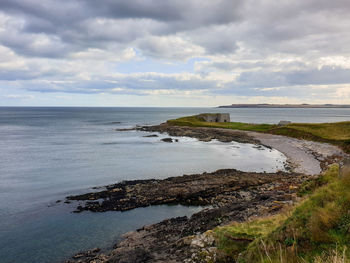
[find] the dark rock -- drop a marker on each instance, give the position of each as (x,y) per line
(127,129)
(167,140)
(233,196)
(131,255)
(150,136)
(217,188)
(201,133)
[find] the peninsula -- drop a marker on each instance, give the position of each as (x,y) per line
(298,213)
(304,105)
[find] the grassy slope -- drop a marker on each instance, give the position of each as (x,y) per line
(317,230)
(334,133)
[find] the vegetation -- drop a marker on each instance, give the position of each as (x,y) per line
(235,238)
(335,133)
(197,121)
(317,230)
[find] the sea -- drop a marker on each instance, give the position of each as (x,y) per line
(48,153)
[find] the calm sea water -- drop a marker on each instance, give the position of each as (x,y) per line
(50,153)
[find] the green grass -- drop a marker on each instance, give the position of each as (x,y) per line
(334,133)
(329,131)
(235,238)
(317,230)
(311,185)
(197,121)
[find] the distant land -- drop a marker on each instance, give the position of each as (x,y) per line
(265,105)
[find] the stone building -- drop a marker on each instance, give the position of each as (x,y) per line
(284,123)
(215,117)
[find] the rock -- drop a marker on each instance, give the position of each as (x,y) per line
(127,129)
(220,188)
(150,136)
(235,196)
(201,133)
(203,240)
(167,140)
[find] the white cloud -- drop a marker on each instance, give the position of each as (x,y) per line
(222,48)
(18,96)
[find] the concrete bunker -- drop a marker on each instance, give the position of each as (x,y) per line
(215,117)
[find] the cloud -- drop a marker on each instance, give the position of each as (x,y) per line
(20,97)
(234,47)
(173,48)
(323,76)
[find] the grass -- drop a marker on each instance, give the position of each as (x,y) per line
(197,121)
(328,131)
(235,238)
(317,230)
(334,133)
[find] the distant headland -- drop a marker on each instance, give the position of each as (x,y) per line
(266,105)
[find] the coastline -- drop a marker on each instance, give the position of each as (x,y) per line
(303,156)
(174,238)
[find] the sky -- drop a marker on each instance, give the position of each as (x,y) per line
(173,52)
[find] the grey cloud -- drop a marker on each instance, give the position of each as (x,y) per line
(265,27)
(324,76)
(128,84)
(216,40)
(35,46)
(233,35)
(77,24)
(298,92)
(173,48)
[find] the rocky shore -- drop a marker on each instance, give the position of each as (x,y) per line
(230,195)
(218,188)
(202,133)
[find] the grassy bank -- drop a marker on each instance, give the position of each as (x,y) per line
(317,230)
(334,133)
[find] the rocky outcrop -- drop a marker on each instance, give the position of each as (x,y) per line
(202,133)
(232,196)
(218,188)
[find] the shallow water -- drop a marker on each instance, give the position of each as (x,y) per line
(50,153)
